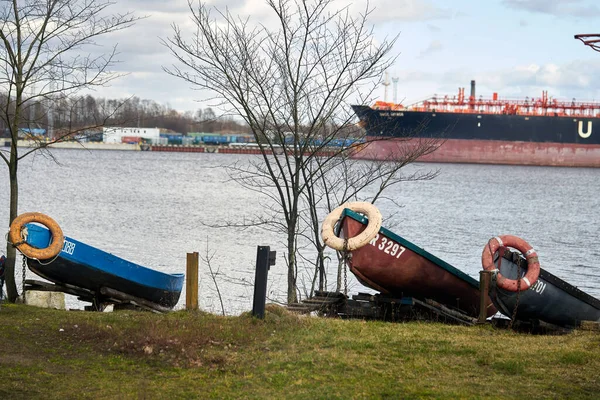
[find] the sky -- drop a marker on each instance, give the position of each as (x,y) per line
(516,48)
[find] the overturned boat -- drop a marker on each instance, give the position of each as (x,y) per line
(390,264)
(527,296)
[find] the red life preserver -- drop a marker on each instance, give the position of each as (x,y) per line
(533,263)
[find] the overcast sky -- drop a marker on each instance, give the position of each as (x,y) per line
(514,47)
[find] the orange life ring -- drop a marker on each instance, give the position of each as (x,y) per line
(533,263)
(370,211)
(56,245)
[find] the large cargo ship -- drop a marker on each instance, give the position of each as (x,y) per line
(531,131)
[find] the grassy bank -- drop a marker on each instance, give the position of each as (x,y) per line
(60,354)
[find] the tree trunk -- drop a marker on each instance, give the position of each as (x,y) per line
(11,252)
(292,296)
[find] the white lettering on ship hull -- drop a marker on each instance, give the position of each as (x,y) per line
(588,132)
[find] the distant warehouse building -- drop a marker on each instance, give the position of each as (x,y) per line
(119,135)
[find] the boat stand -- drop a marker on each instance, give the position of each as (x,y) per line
(100,299)
(380,307)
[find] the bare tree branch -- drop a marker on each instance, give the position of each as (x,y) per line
(292,83)
(44,46)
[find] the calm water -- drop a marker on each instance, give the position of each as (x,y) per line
(153,208)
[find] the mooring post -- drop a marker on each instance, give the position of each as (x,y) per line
(264,259)
(484,288)
(191,282)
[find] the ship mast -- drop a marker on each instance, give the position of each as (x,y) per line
(395,80)
(386,83)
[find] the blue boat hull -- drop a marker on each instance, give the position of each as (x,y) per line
(87,267)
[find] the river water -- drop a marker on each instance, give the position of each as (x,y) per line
(152,208)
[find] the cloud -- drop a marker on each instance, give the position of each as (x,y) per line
(558,8)
(433,47)
(565,81)
(400,10)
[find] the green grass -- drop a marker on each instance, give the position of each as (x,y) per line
(136,355)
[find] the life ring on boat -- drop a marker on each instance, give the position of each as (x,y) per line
(15,237)
(533,263)
(370,211)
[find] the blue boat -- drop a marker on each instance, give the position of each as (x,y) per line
(101,277)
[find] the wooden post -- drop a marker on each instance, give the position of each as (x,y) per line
(191,282)
(484,288)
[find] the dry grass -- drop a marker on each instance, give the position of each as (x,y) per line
(197,355)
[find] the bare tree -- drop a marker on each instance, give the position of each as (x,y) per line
(291,83)
(44,60)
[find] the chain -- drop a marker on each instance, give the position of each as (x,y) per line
(514,315)
(345,266)
(23,276)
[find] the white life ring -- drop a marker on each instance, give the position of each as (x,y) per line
(368,209)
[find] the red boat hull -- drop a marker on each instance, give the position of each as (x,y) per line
(487,152)
(391,267)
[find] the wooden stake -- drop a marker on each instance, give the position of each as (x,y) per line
(484,288)
(191,288)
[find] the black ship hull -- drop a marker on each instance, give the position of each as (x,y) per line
(481,138)
(447,125)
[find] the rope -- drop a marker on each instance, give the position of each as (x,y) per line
(49,262)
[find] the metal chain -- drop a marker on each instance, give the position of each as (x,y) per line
(514,315)
(23,277)
(346,256)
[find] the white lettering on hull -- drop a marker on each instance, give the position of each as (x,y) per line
(588,132)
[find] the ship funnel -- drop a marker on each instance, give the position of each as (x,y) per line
(473,89)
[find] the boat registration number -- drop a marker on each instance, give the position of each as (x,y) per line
(538,287)
(387,246)
(68,247)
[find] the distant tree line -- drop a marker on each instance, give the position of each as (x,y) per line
(79,112)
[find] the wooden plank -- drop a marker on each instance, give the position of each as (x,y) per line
(83,294)
(443,312)
(191,282)
(124,297)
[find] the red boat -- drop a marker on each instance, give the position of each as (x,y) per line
(392,265)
